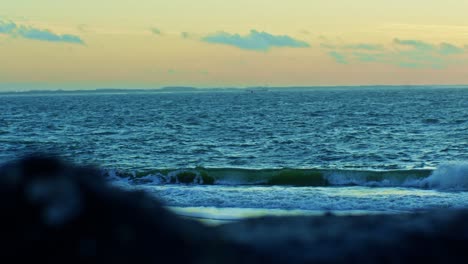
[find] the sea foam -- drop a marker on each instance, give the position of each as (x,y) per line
(448,177)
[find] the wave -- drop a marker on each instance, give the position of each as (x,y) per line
(446,177)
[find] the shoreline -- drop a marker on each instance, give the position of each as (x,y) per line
(222,215)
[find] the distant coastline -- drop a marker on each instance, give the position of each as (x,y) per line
(187,89)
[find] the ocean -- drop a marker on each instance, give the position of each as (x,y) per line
(226,155)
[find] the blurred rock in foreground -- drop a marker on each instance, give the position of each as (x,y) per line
(56,212)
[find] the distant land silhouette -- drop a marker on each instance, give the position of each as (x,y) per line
(188,89)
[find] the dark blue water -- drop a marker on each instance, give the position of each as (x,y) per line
(346,134)
(357,128)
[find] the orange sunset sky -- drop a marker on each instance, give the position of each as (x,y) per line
(91,44)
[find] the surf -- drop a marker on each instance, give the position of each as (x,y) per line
(446,177)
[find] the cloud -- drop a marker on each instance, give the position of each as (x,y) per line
(255,40)
(354,47)
(7,27)
(340,53)
(338,57)
(46,35)
(443,48)
(27,32)
(368,57)
(416,44)
(449,49)
(156,31)
(422,54)
(407,53)
(364,46)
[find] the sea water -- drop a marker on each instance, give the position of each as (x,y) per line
(283,151)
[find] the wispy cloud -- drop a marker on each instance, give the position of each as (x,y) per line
(28,32)
(7,27)
(364,46)
(358,46)
(416,44)
(443,48)
(368,57)
(422,54)
(341,52)
(255,40)
(338,57)
(449,49)
(46,35)
(407,53)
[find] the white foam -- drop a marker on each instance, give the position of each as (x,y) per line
(386,199)
(112,176)
(448,177)
(349,178)
(150,179)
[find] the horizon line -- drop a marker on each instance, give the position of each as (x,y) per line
(195,88)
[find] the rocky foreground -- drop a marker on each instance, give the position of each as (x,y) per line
(55,212)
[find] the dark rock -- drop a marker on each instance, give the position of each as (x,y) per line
(430,237)
(54,212)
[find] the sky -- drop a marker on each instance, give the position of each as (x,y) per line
(88,44)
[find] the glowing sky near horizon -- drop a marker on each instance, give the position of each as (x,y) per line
(213,43)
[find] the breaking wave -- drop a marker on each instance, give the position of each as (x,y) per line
(446,177)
